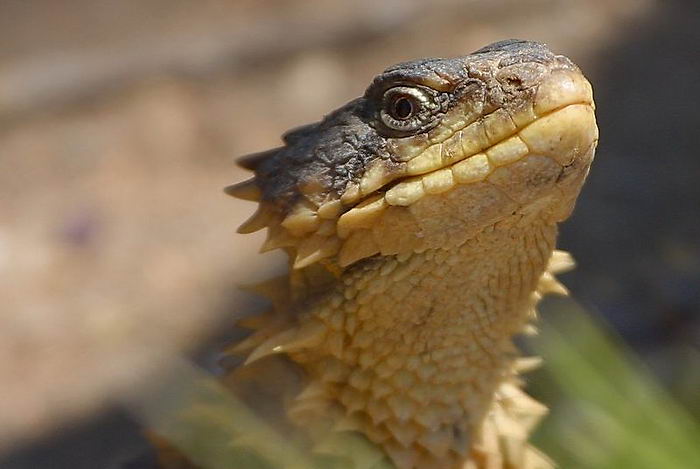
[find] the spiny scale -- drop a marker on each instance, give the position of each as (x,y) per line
(252,161)
(560,262)
(290,340)
(314,249)
(246,190)
(277,237)
(303,219)
(262,218)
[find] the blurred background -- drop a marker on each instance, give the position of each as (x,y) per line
(119,125)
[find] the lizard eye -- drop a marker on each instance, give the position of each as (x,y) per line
(402,107)
(405,108)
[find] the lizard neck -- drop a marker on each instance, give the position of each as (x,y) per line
(417,346)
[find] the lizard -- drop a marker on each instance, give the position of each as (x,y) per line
(420,221)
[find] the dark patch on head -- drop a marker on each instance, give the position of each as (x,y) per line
(331,153)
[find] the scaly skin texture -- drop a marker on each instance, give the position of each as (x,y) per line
(420,220)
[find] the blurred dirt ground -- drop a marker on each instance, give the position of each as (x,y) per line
(119,124)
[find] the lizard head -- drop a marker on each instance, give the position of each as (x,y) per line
(434,152)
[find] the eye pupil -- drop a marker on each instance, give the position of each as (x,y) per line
(403,108)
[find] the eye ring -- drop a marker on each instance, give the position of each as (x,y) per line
(405,108)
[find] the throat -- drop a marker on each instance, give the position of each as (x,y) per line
(417,346)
